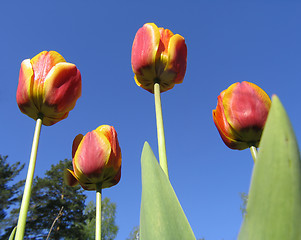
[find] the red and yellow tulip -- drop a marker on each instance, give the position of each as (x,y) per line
(240,115)
(48,87)
(96,159)
(158,56)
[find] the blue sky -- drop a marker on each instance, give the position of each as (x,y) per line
(227,41)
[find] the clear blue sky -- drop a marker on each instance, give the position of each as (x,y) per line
(228,41)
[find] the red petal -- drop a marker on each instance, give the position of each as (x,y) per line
(62,87)
(70,178)
(43,62)
(92,155)
(177,51)
(76,142)
(145,47)
(245,107)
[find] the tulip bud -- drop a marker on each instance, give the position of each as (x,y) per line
(240,115)
(96,159)
(48,87)
(158,56)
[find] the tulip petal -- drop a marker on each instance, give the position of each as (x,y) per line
(76,142)
(112,173)
(145,48)
(158,56)
(241,114)
(24,90)
(225,130)
(92,155)
(246,105)
(48,87)
(25,79)
(83,180)
(97,158)
(115,158)
(145,81)
(175,61)
(162,52)
(88,186)
(70,178)
(144,53)
(177,58)
(43,63)
(62,88)
(262,95)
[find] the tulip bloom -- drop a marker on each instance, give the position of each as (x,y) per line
(240,115)
(48,87)
(96,159)
(158,56)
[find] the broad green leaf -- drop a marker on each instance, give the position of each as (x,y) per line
(161,215)
(274,205)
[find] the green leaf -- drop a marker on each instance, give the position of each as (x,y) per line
(274,205)
(161,215)
(13,233)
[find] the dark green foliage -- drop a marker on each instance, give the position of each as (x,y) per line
(75,220)
(7,192)
(49,195)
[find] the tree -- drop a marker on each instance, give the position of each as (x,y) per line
(108,227)
(8,191)
(60,210)
(7,174)
(243,206)
(134,234)
(50,195)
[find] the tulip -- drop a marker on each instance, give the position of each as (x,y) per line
(159,61)
(240,115)
(96,159)
(96,163)
(48,87)
(158,56)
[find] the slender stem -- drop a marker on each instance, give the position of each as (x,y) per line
(98,213)
(28,183)
(160,129)
(254,153)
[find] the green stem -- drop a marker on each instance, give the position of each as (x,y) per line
(98,213)
(28,183)
(160,129)
(254,153)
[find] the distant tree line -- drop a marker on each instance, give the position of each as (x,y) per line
(54,206)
